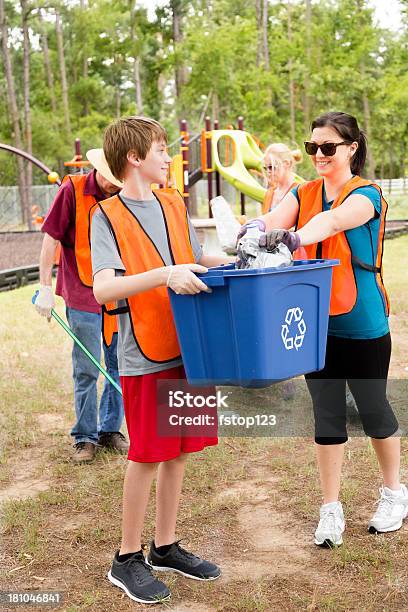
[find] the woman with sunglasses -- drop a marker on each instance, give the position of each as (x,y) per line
(278,164)
(342,216)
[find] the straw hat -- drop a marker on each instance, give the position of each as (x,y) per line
(98,160)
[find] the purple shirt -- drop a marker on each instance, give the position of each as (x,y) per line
(60,224)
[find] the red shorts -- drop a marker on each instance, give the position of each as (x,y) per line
(140,402)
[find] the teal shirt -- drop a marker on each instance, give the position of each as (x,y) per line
(368,319)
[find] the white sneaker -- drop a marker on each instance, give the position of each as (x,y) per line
(391,511)
(331,525)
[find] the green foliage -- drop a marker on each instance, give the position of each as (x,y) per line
(340,60)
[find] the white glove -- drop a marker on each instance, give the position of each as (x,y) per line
(181,279)
(45,301)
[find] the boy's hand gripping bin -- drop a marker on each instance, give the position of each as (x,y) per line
(257,326)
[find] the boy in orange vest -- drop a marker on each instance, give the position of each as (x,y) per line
(143,242)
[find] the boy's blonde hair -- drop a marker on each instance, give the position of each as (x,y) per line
(135,134)
(282,153)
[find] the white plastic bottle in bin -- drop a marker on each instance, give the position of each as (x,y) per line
(225,222)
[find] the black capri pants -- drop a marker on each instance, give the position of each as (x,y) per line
(363,364)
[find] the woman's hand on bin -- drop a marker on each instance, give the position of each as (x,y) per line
(182,280)
(276,236)
(257,223)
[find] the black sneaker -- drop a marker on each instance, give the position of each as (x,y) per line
(183,562)
(135,577)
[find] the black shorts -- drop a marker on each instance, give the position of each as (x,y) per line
(364,365)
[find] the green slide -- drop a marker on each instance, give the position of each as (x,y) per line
(248,156)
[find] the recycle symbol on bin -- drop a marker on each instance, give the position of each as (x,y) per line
(294,329)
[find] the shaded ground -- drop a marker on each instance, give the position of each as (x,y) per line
(250,504)
(19,249)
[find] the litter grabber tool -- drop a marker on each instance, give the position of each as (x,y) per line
(81,346)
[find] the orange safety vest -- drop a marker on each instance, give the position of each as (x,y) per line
(150,312)
(267,201)
(344,287)
(85,206)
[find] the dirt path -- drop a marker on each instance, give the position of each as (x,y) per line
(27,475)
(278,545)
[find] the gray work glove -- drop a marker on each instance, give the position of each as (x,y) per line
(271,240)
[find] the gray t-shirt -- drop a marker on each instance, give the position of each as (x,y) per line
(105,256)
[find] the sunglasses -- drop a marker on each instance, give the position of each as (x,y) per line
(270,168)
(328,149)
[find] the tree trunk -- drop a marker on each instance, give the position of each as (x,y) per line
(85,110)
(367,124)
(136,60)
(64,84)
(291,81)
(258,13)
(25,11)
(265,35)
(47,64)
(215,106)
(13,109)
(138,85)
(308,37)
(180,69)
(84,48)
(118,101)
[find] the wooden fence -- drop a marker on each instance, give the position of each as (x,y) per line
(397,186)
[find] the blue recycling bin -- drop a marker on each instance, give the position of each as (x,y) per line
(257,327)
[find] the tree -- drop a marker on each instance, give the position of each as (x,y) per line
(25,13)
(14,114)
(63,72)
(47,64)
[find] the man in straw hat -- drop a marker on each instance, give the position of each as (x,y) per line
(68,222)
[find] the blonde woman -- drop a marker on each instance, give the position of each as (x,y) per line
(279,162)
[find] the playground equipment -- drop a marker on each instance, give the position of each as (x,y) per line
(77,161)
(200,155)
(33,217)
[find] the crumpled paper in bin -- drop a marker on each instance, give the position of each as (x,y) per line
(252,256)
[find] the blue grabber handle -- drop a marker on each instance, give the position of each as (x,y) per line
(81,346)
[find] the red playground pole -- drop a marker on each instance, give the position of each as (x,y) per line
(241,127)
(209,163)
(217,174)
(184,153)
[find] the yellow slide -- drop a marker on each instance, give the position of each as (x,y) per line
(247,156)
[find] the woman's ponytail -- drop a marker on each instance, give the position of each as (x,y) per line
(359,158)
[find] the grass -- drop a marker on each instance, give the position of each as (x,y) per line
(398,206)
(250,503)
